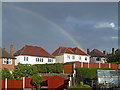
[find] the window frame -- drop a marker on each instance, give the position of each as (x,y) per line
(85,58)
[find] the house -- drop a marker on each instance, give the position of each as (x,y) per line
(97,56)
(33,55)
(7,59)
(68,54)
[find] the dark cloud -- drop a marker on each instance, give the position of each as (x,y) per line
(22,27)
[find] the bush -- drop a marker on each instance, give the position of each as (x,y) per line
(52,68)
(6,74)
(29,70)
(24,71)
(85,74)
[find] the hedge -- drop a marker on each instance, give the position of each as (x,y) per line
(53,68)
(83,74)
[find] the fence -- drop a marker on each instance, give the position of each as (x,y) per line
(96,65)
(17,84)
(88,65)
(50,82)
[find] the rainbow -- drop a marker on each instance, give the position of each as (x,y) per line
(49,21)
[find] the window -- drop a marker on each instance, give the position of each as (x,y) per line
(73,57)
(50,60)
(39,59)
(68,56)
(85,58)
(97,59)
(25,58)
(80,58)
(42,60)
(7,61)
(36,59)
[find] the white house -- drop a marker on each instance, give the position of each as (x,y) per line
(33,55)
(68,54)
(97,56)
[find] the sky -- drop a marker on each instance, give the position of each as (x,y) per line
(50,25)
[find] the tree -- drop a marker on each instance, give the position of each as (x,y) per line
(113,58)
(6,74)
(37,80)
(24,71)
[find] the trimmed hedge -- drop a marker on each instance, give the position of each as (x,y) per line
(53,68)
(83,74)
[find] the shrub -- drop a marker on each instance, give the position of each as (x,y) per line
(6,74)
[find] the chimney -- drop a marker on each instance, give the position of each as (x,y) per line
(11,49)
(104,52)
(113,51)
(88,51)
(4,49)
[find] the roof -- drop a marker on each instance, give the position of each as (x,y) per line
(69,50)
(56,81)
(5,54)
(96,53)
(33,51)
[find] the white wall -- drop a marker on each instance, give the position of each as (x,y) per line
(31,60)
(101,60)
(59,59)
(64,58)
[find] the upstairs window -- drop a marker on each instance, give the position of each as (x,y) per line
(68,56)
(25,58)
(86,58)
(39,59)
(97,59)
(50,60)
(7,61)
(80,58)
(73,57)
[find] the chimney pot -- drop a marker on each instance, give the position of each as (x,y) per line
(113,51)
(104,52)
(88,51)
(11,49)
(4,49)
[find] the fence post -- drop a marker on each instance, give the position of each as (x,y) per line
(88,64)
(109,65)
(99,64)
(6,84)
(23,82)
(82,64)
(70,81)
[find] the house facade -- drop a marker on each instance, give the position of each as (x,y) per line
(68,54)
(97,56)
(7,60)
(33,55)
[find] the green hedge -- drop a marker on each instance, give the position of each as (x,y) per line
(53,68)
(25,70)
(83,74)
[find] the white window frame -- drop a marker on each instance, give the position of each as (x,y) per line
(25,58)
(7,60)
(86,59)
(79,57)
(68,56)
(73,57)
